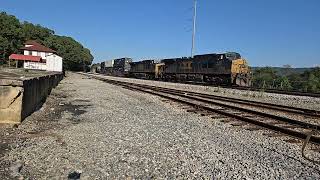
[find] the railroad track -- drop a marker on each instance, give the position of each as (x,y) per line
(229,107)
(276,91)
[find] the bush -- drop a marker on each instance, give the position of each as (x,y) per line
(267,78)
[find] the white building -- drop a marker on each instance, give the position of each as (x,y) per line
(37,56)
(54,63)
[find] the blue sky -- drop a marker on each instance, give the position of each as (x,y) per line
(265,32)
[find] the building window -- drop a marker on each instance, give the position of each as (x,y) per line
(30,53)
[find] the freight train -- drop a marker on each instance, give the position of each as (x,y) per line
(218,69)
(116,67)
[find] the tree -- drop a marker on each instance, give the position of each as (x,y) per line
(287,69)
(13,34)
(296,81)
(10,35)
(283,83)
(264,77)
(35,32)
(76,56)
(312,80)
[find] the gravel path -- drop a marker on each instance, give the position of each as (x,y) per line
(107,132)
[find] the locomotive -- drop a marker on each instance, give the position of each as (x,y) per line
(228,69)
(116,67)
(217,69)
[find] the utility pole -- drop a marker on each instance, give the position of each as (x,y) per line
(194,26)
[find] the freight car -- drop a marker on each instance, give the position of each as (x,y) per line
(218,69)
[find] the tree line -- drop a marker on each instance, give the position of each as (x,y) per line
(14,33)
(269,78)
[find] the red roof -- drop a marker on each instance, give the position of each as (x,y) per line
(21,57)
(35,46)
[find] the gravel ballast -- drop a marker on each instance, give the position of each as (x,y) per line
(288,100)
(101,131)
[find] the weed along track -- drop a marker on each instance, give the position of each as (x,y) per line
(211,104)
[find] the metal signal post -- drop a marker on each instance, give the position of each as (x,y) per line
(194,27)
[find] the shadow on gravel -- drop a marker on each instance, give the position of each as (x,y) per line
(61,96)
(82,100)
(76,109)
(3,147)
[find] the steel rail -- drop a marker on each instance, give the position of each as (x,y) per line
(294,110)
(287,131)
(279,118)
(293,93)
(283,108)
(283,130)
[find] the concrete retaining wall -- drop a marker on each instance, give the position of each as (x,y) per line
(20,98)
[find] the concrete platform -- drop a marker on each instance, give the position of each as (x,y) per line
(22,92)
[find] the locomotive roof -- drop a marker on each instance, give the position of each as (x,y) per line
(218,54)
(143,62)
(172,60)
(202,55)
(125,58)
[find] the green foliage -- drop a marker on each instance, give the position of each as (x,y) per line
(311,80)
(266,77)
(283,83)
(10,35)
(13,34)
(78,56)
(284,71)
(35,32)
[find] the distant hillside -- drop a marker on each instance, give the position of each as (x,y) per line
(285,71)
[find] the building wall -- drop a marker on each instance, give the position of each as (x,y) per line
(34,65)
(36,53)
(43,55)
(54,63)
